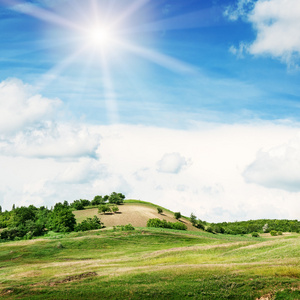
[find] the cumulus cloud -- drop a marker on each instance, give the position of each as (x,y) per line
(171,163)
(21,107)
(212,187)
(83,171)
(277,168)
(52,140)
(277,24)
(240,9)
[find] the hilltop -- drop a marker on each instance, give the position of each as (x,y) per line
(134,212)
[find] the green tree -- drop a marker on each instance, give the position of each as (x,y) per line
(116,198)
(98,200)
(193,219)
(77,205)
(114,208)
(103,208)
(62,219)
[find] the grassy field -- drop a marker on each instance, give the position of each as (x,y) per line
(151,264)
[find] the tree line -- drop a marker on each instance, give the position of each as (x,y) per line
(247,227)
(27,222)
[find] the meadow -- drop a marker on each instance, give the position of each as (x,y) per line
(148,263)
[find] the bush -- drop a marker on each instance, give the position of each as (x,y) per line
(273,232)
(128,227)
(255,234)
(159,210)
(210,229)
(114,208)
(199,224)
(177,215)
(279,232)
(89,224)
(193,219)
(103,209)
(164,224)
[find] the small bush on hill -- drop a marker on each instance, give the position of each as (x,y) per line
(89,224)
(210,229)
(164,224)
(159,210)
(104,208)
(114,208)
(255,234)
(177,215)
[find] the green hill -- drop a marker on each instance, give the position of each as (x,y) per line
(135,212)
(150,264)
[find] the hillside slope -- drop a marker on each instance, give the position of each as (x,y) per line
(136,213)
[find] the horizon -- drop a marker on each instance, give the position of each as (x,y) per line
(190,105)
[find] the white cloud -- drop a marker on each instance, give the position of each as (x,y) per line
(277,24)
(171,163)
(277,168)
(52,140)
(240,9)
(213,186)
(20,107)
(83,171)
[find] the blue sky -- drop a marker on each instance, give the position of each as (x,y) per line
(77,76)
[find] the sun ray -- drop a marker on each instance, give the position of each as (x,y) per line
(40,13)
(59,68)
(136,5)
(109,93)
(197,19)
(159,58)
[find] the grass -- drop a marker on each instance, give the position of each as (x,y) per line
(150,264)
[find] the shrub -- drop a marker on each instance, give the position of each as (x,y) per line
(164,224)
(114,208)
(159,210)
(128,227)
(255,234)
(103,209)
(193,219)
(89,224)
(177,215)
(200,225)
(279,232)
(273,232)
(210,229)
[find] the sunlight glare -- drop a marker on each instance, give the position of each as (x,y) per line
(100,37)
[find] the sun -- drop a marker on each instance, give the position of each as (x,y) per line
(100,37)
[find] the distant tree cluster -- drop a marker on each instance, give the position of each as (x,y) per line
(27,222)
(259,226)
(274,227)
(113,198)
(165,224)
